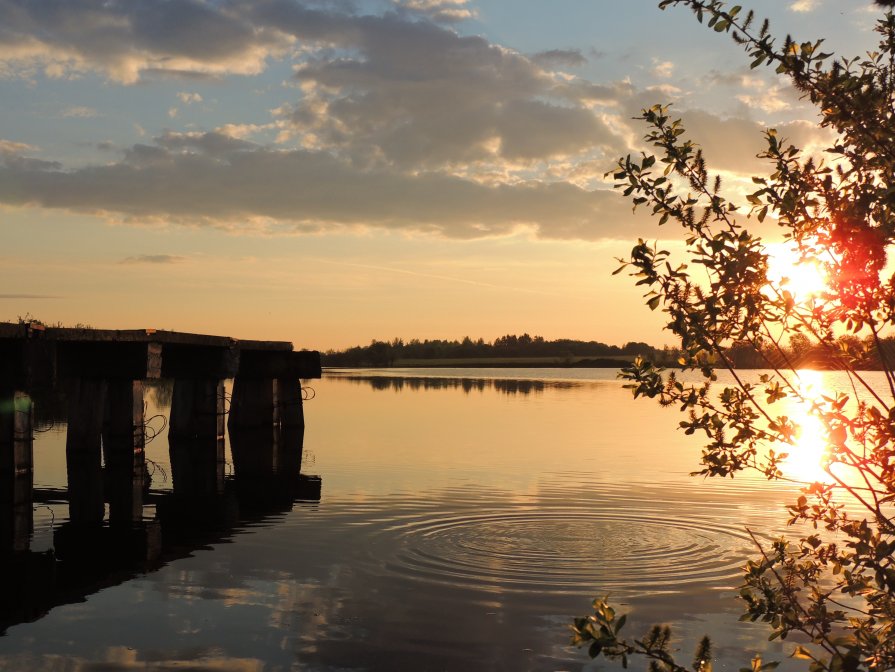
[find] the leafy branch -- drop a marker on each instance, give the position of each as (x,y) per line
(835,587)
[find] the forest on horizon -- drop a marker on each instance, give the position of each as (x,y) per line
(527,350)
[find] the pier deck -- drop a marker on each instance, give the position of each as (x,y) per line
(102,373)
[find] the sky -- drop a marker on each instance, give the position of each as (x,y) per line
(331,172)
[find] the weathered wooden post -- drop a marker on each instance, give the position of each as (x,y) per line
(105,371)
(290,397)
(16,469)
(267,409)
(254,418)
(253,426)
(292,426)
(196,437)
(83,449)
(196,431)
(290,403)
(18,361)
(253,404)
(124,442)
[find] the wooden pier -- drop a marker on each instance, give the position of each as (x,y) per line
(102,373)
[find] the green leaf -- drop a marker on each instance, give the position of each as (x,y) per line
(620,623)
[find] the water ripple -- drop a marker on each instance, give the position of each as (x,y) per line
(636,547)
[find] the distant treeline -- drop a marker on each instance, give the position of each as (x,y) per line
(563,351)
(536,350)
(804,352)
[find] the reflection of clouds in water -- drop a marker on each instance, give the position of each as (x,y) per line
(223,584)
(125,659)
(305,612)
(314,615)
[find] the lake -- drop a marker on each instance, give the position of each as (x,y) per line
(461,518)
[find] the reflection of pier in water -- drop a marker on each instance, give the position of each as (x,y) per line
(509,386)
(88,558)
(102,376)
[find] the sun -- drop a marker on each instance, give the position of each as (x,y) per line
(805,279)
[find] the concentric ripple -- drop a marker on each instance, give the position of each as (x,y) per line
(561,549)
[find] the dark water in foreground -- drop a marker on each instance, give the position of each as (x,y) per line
(461,521)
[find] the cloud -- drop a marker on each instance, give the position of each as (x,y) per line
(211,144)
(396,88)
(80,112)
(804,6)
(732,143)
(188,98)
(124,39)
(441,11)
(213,180)
(12,156)
(559,58)
(242,131)
(153,259)
(768,94)
(769,101)
(663,69)
(14,148)
(418,95)
(399,122)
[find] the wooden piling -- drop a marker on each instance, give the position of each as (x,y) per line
(291,434)
(83,449)
(289,403)
(124,440)
(16,470)
(196,437)
(103,371)
(16,432)
(253,404)
(266,425)
(260,455)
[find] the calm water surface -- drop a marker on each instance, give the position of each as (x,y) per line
(464,517)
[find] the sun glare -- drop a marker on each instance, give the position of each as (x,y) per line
(807,456)
(804,279)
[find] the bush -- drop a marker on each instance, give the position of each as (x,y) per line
(835,586)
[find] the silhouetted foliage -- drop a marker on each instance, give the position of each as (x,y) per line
(834,587)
